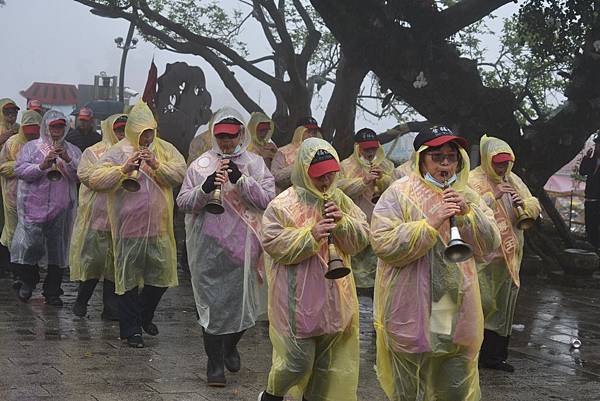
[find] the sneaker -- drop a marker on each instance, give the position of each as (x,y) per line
(135,341)
(79,309)
(150,328)
(54,300)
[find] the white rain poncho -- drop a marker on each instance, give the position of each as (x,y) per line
(46,210)
(499,280)
(314,325)
(283,162)
(8,157)
(141,222)
(427,310)
(354,169)
(91,255)
(224,251)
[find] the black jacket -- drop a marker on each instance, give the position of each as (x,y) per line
(592,182)
(83,140)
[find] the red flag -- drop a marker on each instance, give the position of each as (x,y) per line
(149,95)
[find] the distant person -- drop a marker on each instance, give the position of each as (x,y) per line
(35,105)
(283,161)
(200,144)
(590,167)
(84,135)
(8,119)
(261,129)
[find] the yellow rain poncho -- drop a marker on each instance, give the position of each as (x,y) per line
(265,147)
(8,158)
(499,280)
(200,144)
(4,125)
(314,323)
(427,310)
(354,169)
(283,162)
(141,222)
(405,168)
(91,254)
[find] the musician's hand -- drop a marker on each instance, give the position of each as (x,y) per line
(62,153)
(269,150)
(221,177)
(503,188)
(234,172)
(149,157)
(370,178)
(48,161)
(442,213)
(332,211)
(516,199)
(451,196)
(322,228)
(377,171)
(131,163)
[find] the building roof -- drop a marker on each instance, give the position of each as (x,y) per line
(50,93)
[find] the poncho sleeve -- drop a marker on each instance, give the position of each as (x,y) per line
(281,172)
(25,168)
(478,226)
(7,165)
(192,198)
(258,189)
(351,233)
(171,167)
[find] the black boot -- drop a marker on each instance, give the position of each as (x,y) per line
(84,293)
(110,301)
(51,288)
(232,356)
(264,396)
(215,370)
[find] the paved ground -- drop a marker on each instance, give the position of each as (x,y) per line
(48,354)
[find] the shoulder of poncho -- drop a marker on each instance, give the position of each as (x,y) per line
(16,140)
(283,200)
(73,147)
(166,145)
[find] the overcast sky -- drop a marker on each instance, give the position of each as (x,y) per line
(60,41)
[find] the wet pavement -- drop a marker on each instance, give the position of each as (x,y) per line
(46,353)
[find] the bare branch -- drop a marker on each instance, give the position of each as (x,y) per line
(260,17)
(464,13)
(313,37)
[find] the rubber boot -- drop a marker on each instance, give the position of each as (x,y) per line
(232,356)
(215,367)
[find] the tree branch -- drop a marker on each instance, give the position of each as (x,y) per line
(313,37)
(260,17)
(464,13)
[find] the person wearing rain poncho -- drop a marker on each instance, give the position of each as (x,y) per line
(427,310)
(224,249)
(29,130)
(499,280)
(142,221)
(261,130)
(283,161)
(314,325)
(91,254)
(200,143)
(365,175)
(45,209)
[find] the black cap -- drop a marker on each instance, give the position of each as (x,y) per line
(437,136)
(321,156)
(307,122)
(365,135)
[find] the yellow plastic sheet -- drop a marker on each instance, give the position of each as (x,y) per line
(8,157)
(4,126)
(427,310)
(263,147)
(314,323)
(354,169)
(141,222)
(499,280)
(91,254)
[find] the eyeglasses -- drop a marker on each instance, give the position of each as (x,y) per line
(226,136)
(9,112)
(440,157)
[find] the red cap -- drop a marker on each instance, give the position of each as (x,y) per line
(59,121)
(440,140)
(85,113)
(368,144)
(226,128)
(502,157)
(263,125)
(321,168)
(119,124)
(34,104)
(311,126)
(31,129)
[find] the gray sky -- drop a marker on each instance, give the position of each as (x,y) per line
(62,42)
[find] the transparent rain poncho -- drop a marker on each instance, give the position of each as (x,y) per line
(141,222)
(283,162)
(45,209)
(224,251)
(354,169)
(427,310)
(314,324)
(258,145)
(91,254)
(405,168)
(8,181)
(499,280)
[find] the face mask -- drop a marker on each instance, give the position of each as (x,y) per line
(428,177)
(237,150)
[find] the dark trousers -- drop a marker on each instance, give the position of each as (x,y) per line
(494,348)
(30,275)
(592,222)
(109,298)
(137,308)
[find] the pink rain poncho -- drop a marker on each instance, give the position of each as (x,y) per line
(283,162)
(91,255)
(499,280)
(314,324)
(141,222)
(8,157)
(224,251)
(427,310)
(354,169)
(45,209)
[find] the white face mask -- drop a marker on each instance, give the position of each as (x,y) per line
(237,150)
(428,177)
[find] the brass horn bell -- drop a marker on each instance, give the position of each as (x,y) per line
(54,174)
(335,265)
(215,203)
(131,183)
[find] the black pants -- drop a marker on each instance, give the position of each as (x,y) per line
(109,298)
(494,348)
(137,308)
(30,275)
(592,222)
